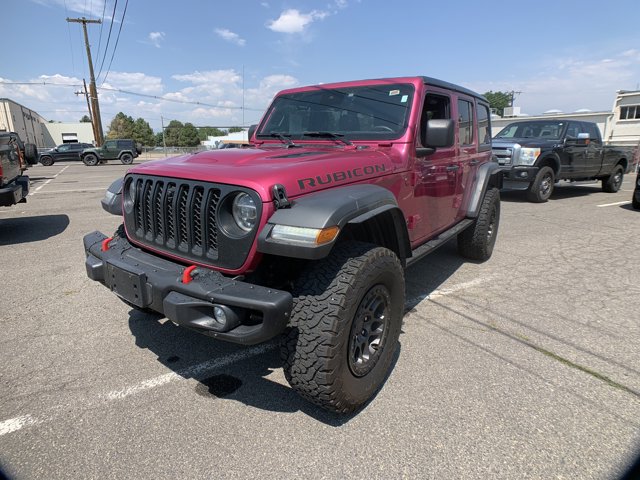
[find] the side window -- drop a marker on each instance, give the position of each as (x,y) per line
(573,130)
(436,107)
(592,130)
(64,148)
(465,122)
(484,129)
(110,145)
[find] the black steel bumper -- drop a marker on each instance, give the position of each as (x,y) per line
(15,192)
(518,178)
(254,313)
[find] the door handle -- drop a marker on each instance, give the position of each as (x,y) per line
(452,168)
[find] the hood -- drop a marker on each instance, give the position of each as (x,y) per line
(525,142)
(299,170)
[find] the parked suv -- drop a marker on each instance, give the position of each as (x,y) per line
(635,201)
(66,151)
(15,158)
(123,150)
(308,233)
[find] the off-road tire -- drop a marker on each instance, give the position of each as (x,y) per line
(635,203)
(613,182)
(542,187)
(477,241)
(90,160)
(31,153)
(126,159)
(46,161)
(360,287)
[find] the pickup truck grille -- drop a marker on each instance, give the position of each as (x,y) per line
(181,218)
(504,155)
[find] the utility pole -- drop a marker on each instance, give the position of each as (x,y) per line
(512,97)
(164,140)
(95,107)
(86,96)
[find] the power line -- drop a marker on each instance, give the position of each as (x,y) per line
(116,46)
(73,65)
(104,55)
(104,8)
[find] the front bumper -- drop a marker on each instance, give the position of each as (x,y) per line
(15,192)
(519,177)
(255,313)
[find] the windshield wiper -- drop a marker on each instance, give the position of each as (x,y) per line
(282,136)
(335,136)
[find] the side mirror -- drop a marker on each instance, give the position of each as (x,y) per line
(437,134)
(252,130)
(584,139)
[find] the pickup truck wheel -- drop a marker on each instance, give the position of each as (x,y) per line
(344,326)
(31,153)
(542,187)
(613,182)
(635,203)
(46,161)
(126,158)
(90,160)
(477,241)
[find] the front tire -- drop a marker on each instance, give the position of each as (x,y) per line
(478,240)
(542,187)
(345,325)
(46,161)
(90,160)
(613,182)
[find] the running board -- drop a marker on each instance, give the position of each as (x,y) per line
(441,239)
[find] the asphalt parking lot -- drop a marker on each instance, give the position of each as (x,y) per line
(526,366)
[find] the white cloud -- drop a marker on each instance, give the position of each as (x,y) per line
(569,84)
(92,9)
(156,38)
(293,21)
(230,36)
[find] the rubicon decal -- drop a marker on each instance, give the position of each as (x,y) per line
(335,177)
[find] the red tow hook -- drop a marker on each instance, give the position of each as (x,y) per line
(186,275)
(105,244)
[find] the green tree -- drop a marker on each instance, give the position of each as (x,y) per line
(172,133)
(142,132)
(85,119)
(158,140)
(235,129)
(205,132)
(498,101)
(121,126)
(189,136)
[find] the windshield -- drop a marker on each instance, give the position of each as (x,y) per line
(551,130)
(354,113)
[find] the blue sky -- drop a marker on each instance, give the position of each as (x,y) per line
(561,54)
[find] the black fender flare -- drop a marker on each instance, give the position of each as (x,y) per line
(554,158)
(489,175)
(335,207)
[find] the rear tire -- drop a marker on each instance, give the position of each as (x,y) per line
(126,159)
(30,153)
(345,325)
(542,187)
(478,240)
(613,182)
(90,160)
(46,161)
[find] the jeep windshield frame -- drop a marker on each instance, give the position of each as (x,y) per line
(368,113)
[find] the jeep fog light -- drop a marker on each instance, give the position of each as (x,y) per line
(304,235)
(219,315)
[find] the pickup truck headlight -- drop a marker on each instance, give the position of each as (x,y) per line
(244,212)
(527,156)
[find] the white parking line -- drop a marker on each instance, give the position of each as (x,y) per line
(45,183)
(613,204)
(198,371)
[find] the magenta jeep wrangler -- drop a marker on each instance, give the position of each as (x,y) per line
(307,233)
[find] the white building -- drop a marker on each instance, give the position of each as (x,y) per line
(24,121)
(58,133)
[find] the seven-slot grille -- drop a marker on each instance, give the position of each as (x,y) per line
(176,215)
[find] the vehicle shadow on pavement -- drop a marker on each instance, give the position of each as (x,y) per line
(560,192)
(245,379)
(31,229)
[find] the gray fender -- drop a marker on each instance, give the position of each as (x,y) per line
(112,201)
(489,175)
(337,206)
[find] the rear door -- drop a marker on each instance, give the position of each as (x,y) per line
(594,149)
(9,159)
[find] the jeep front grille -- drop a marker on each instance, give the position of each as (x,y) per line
(180,217)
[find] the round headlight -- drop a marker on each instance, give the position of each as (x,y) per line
(129,195)
(244,211)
